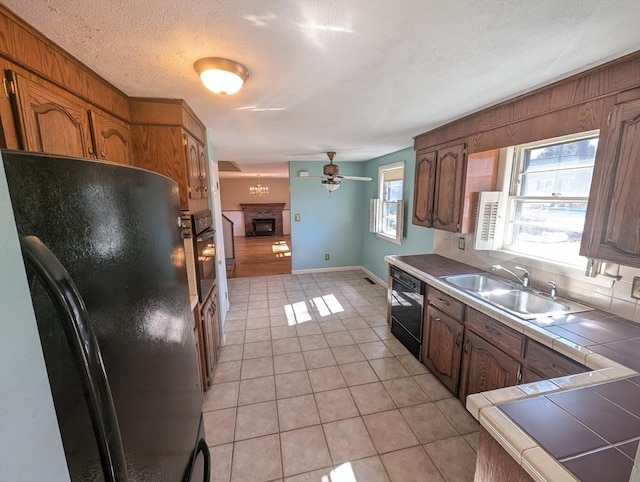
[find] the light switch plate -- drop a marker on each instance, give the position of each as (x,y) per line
(462,243)
(635,288)
(297,217)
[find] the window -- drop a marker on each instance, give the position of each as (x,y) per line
(548,197)
(387,212)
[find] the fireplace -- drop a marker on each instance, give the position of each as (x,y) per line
(263,219)
(264,227)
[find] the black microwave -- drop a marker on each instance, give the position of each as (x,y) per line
(204,250)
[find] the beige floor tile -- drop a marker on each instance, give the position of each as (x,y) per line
(433,387)
(473,439)
(219,426)
(369,470)
(234,325)
(411,465)
(335,405)
(257,323)
(331,326)
(339,338)
(313,342)
(234,338)
(230,353)
(356,323)
(405,391)
(303,450)
(297,412)
(256,390)
(358,373)
(227,372)
(285,345)
(371,398)
(328,378)
(412,365)
(292,362)
(292,384)
(256,420)
(388,368)
(375,349)
(221,395)
(364,335)
(306,329)
(319,358)
(347,354)
(256,460)
(348,440)
(257,313)
(257,350)
(428,423)
(396,347)
(283,332)
(389,431)
(257,367)
(221,462)
(454,458)
(280,320)
(261,334)
(383,332)
(462,420)
(320,475)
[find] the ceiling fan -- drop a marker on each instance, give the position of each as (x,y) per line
(331,179)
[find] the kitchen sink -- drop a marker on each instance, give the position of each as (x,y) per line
(522,302)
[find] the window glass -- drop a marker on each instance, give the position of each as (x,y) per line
(391,190)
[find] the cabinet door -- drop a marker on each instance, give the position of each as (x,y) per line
(211,331)
(484,367)
(448,190)
(547,363)
(424,184)
(615,225)
(49,122)
(111,137)
(202,171)
(445,347)
(193,165)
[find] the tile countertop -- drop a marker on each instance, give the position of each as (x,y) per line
(608,344)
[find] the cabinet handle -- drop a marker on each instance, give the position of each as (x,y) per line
(443,301)
(466,347)
(437,319)
(459,339)
(492,330)
(91,153)
(103,155)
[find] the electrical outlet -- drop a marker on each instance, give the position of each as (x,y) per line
(297,217)
(327,257)
(462,243)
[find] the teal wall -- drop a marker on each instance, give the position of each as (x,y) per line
(329,222)
(338,223)
(417,240)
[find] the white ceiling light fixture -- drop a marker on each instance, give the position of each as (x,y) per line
(221,76)
(330,184)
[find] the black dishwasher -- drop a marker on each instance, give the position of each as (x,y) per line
(407,299)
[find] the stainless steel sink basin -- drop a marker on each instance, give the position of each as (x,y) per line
(478,282)
(524,303)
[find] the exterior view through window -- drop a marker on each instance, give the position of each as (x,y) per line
(548,198)
(391,191)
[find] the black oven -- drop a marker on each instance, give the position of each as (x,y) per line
(407,299)
(204,250)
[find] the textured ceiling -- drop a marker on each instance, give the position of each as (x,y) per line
(358,77)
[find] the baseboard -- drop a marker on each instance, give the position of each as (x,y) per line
(374,277)
(370,274)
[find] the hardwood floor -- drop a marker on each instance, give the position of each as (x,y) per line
(262,256)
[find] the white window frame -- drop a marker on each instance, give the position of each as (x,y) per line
(394,171)
(513,169)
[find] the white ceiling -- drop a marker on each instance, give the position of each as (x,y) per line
(360,77)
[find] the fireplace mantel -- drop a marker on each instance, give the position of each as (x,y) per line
(262,211)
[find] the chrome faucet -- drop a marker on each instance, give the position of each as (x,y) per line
(526,277)
(553,291)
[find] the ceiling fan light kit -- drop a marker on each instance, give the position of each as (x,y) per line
(221,76)
(330,184)
(331,175)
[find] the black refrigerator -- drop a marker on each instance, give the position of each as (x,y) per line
(106,268)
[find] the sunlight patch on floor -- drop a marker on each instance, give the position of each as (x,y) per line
(326,305)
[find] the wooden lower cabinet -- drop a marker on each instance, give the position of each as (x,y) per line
(541,363)
(494,464)
(211,333)
(444,347)
(485,367)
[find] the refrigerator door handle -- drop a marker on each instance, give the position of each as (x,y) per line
(201,446)
(85,350)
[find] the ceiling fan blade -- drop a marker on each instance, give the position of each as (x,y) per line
(311,177)
(355,178)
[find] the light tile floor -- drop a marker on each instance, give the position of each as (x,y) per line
(312,387)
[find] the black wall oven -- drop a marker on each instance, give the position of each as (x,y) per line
(204,250)
(407,300)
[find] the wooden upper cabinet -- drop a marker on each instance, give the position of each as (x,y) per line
(448,191)
(193,164)
(202,167)
(49,121)
(425,180)
(614,231)
(111,137)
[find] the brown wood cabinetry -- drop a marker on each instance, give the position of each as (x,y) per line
(494,464)
(211,333)
(612,231)
(446,186)
(541,362)
(111,137)
(444,347)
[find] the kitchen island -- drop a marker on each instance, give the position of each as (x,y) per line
(590,421)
